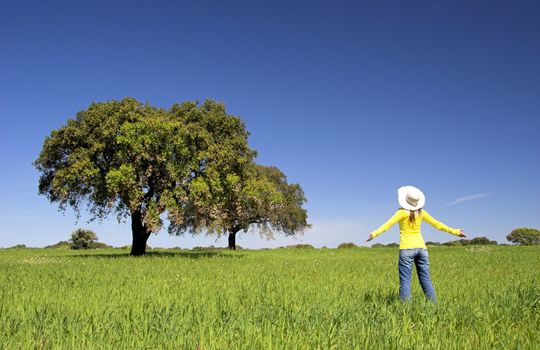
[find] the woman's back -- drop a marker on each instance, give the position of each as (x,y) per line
(410,235)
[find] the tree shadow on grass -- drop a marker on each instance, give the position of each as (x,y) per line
(159,254)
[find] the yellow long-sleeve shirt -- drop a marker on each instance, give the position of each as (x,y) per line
(409,233)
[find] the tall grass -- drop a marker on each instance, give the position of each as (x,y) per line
(489,297)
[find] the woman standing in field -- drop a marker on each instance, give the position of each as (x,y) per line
(411,244)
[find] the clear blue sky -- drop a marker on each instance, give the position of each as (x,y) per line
(350,99)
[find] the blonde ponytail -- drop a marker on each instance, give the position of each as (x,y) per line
(412,215)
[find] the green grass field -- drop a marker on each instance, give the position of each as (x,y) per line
(489,297)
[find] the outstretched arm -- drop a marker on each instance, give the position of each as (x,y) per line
(395,218)
(440,226)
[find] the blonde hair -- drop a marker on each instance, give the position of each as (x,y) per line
(412,215)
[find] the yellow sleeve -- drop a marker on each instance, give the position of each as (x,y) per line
(438,225)
(395,218)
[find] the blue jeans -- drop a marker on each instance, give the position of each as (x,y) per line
(421,259)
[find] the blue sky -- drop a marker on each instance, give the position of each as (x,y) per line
(350,99)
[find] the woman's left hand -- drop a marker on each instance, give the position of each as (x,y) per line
(369,238)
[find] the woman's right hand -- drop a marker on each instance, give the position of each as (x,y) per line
(461,233)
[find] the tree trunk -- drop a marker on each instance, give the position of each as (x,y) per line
(232,237)
(140,236)
(232,240)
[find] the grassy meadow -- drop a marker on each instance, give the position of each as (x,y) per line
(489,297)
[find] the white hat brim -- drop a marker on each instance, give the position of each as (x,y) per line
(402,198)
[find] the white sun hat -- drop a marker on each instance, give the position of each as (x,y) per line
(411,198)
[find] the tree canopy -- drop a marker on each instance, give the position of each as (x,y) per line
(524,236)
(258,196)
(190,164)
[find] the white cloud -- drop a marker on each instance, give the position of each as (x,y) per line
(471,197)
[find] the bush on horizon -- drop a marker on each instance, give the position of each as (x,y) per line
(347,245)
(83,239)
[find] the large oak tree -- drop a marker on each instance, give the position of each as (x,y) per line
(141,162)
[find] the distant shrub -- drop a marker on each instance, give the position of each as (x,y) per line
(482,241)
(18,246)
(202,248)
(82,239)
(433,243)
(99,245)
(347,245)
(59,245)
(128,247)
(389,245)
(301,246)
(467,242)
(212,247)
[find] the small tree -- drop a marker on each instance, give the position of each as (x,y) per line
(254,195)
(524,236)
(83,239)
(279,209)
